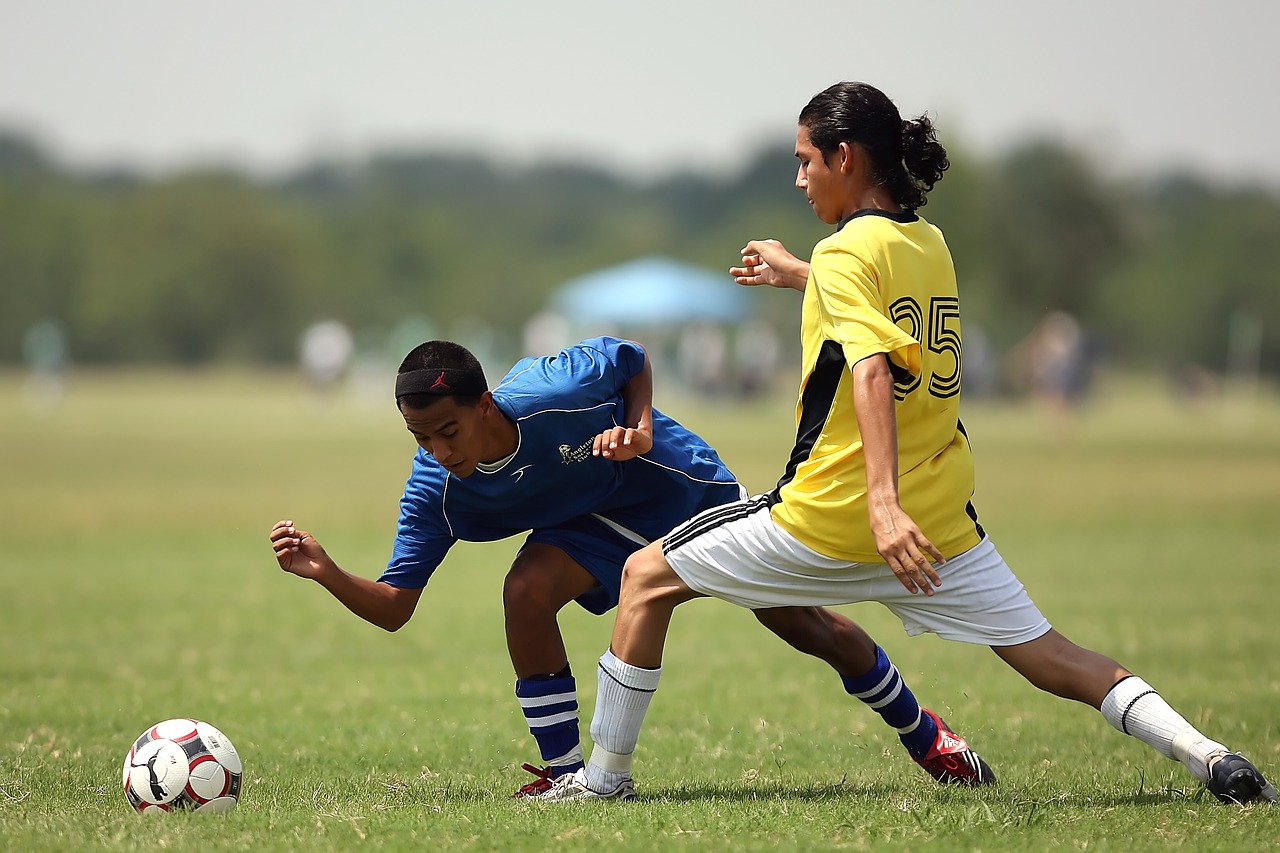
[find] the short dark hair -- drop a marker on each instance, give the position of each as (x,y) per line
(906,157)
(439,355)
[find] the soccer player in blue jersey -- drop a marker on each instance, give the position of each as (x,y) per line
(570,449)
(874,504)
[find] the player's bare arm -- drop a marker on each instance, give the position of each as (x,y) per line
(381,604)
(635,437)
(767,262)
(898,539)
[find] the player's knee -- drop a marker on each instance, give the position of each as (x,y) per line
(786,622)
(527,593)
(646,569)
(649,582)
(822,634)
(792,625)
(1056,665)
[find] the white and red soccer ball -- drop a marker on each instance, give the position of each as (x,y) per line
(182,764)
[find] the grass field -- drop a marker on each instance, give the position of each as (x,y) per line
(136,584)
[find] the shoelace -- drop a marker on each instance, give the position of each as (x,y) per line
(544,781)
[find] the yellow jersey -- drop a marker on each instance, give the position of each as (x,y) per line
(883,283)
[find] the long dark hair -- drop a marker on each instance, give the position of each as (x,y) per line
(906,157)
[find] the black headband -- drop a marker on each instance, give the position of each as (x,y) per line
(446,382)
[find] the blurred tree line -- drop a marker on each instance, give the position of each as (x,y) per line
(212,265)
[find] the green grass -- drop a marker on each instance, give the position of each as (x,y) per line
(136,584)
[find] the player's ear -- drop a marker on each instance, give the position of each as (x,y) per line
(845,157)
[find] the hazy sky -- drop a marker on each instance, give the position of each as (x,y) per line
(638,86)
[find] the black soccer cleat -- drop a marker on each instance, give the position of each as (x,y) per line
(1234,779)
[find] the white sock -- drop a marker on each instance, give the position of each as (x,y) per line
(1135,708)
(622,699)
(570,758)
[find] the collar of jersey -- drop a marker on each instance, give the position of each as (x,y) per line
(905,217)
(495,467)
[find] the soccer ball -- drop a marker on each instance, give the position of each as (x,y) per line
(182,764)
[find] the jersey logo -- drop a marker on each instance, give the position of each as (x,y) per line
(519,472)
(582,452)
(440,383)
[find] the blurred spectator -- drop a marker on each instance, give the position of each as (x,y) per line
(981,367)
(701,354)
(756,351)
(325,353)
(1052,365)
(1195,384)
(47,356)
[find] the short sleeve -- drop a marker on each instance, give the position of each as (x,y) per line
(624,359)
(853,311)
(422,535)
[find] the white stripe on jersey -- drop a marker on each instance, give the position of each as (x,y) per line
(606,405)
(620,530)
(444,505)
(742,491)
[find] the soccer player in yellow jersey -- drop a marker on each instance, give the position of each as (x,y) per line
(874,504)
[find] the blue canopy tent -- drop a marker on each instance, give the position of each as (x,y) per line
(653,291)
(688,317)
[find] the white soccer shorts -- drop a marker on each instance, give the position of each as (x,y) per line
(737,553)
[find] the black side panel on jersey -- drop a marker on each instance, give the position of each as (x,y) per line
(969,508)
(815,406)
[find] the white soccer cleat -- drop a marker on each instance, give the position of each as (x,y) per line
(573,786)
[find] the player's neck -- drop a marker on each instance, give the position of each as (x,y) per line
(872,198)
(502,436)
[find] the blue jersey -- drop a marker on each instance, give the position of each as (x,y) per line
(596,509)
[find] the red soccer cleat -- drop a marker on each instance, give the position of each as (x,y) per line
(951,761)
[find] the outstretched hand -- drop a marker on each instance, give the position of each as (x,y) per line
(298,552)
(622,443)
(769,263)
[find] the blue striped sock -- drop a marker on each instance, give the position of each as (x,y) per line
(884,691)
(550,708)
